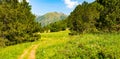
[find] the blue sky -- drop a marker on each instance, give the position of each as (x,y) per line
(40,7)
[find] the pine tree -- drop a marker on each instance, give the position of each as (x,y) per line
(17,23)
(83,18)
(109,17)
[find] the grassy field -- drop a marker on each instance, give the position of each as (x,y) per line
(52,39)
(84,46)
(59,45)
(12,52)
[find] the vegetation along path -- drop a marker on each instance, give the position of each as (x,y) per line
(48,39)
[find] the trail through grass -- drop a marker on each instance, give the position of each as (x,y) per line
(59,45)
(29,53)
(48,39)
(28,50)
(13,52)
(52,39)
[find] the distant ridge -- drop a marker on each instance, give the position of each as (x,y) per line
(50,17)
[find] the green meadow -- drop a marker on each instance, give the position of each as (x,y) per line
(84,46)
(13,52)
(60,45)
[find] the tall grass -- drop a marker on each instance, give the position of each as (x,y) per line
(84,46)
(13,52)
(52,39)
(55,35)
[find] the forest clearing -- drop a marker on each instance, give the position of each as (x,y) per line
(60,45)
(59,29)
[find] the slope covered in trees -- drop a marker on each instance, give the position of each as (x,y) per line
(99,16)
(57,26)
(17,23)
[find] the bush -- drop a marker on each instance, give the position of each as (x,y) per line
(3,42)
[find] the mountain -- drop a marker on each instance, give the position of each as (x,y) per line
(50,18)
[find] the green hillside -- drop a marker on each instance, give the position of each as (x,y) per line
(50,18)
(59,45)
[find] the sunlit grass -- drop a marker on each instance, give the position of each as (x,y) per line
(51,39)
(56,35)
(13,52)
(59,45)
(84,46)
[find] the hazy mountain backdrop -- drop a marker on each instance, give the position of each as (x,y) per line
(50,18)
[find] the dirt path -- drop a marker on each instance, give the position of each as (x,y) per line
(29,53)
(32,52)
(24,53)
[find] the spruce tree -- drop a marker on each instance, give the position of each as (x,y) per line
(109,17)
(17,23)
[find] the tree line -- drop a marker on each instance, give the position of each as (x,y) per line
(55,27)
(99,16)
(17,23)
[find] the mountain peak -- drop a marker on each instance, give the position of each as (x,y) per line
(50,17)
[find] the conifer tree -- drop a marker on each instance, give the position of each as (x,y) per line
(109,17)
(17,23)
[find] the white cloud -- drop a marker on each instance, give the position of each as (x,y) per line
(70,3)
(22,0)
(27,0)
